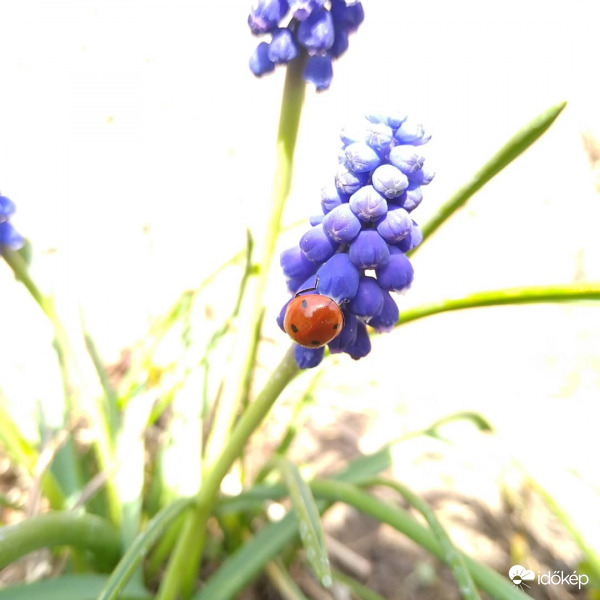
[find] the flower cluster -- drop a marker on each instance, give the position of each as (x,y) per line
(316,27)
(9,236)
(355,250)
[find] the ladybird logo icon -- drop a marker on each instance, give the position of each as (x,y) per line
(519,575)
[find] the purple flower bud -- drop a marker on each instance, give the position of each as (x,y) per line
(389,180)
(347,336)
(260,62)
(411,133)
(10,237)
(350,17)
(331,197)
(362,345)
(342,224)
(295,265)
(318,71)
(411,197)
(282,48)
(407,159)
(266,14)
(422,177)
(357,132)
(397,274)
(348,181)
(317,245)
(307,358)
(412,240)
(340,42)
(362,157)
(379,136)
(368,204)
(281,315)
(338,279)
(395,226)
(7,208)
(301,9)
(368,302)
(388,317)
(316,32)
(368,250)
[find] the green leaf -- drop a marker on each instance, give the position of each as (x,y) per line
(452,557)
(513,148)
(140,547)
(357,589)
(309,522)
(69,587)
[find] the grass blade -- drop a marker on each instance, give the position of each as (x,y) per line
(452,556)
(309,522)
(513,148)
(140,547)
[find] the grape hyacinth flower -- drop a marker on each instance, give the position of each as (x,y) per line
(9,236)
(318,28)
(355,251)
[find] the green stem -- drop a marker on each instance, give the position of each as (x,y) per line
(186,556)
(83,531)
(513,148)
(570,292)
(236,393)
(487,579)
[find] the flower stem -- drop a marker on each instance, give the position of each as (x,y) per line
(83,531)
(237,391)
(520,295)
(183,566)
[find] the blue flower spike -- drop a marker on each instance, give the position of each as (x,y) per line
(9,237)
(355,252)
(318,29)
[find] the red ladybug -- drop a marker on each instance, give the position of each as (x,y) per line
(313,320)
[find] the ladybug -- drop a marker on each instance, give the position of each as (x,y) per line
(313,320)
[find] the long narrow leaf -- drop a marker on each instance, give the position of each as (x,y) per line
(309,522)
(140,547)
(452,556)
(513,148)
(69,587)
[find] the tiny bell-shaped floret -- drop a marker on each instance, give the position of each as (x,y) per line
(395,226)
(410,198)
(331,198)
(316,32)
(390,181)
(411,133)
(301,9)
(7,208)
(338,279)
(396,274)
(319,71)
(308,358)
(349,181)
(362,345)
(341,224)
(265,15)
(260,63)
(10,237)
(379,136)
(369,251)
(316,245)
(295,265)
(388,317)
(412,240)
(282,48)
(407,159)
(368,302)
(368,204)
(347,336)
(362,157)
(349,16)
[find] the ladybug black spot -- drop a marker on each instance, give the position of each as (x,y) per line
(304,303)
(336,325)
(294,328)
(315,343)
